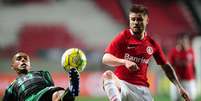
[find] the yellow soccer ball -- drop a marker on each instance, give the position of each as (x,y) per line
(74,58)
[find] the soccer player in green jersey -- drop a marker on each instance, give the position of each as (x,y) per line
(38,85)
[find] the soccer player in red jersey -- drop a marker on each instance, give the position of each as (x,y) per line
(182,59)
(129,52)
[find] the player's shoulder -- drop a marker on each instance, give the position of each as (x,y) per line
(123,34)
(9,87)
(151,40)
(124,31)
(40,71)
(13,82)
(44,71)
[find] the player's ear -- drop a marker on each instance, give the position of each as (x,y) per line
(147,18)
(11,66)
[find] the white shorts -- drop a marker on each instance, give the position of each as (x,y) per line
(131,92)
(189,86)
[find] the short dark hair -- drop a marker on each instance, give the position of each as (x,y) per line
(137,8)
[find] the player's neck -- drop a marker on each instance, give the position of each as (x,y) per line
(22,72)
(139,36)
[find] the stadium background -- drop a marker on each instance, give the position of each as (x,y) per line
(46,28)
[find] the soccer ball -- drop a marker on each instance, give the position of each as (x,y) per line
(73,58)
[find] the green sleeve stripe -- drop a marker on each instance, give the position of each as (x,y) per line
(48,78)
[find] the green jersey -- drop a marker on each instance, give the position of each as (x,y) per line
(27,85)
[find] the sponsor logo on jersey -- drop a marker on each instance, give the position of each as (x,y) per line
(135,59)
(149,50)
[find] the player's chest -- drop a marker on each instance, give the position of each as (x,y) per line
(180,56)
(145,50)
(29,78)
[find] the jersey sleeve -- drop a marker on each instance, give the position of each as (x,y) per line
(48,78)
(159,55)
(194,68)
(171,57)
(116,45)
(9,95)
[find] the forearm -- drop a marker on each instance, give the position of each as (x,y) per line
(111,60)
(170,73)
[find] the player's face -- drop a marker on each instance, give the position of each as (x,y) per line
(138,22)
(21,63)
(185,43)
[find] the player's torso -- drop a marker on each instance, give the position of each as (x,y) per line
(183,57)
(183,64)
(30,83)
(140,52)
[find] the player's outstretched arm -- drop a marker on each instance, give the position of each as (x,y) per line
(113,61)
(170,73)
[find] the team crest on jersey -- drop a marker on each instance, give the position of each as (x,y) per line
(149,50)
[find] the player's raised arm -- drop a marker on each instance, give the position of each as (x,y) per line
(170,73)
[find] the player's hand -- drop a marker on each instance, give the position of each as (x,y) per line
(132,66)
(184,94)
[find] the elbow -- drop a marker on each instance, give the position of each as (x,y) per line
(104,59)
(107,58)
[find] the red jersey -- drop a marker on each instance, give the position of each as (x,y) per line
(183,63)
(126,46)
